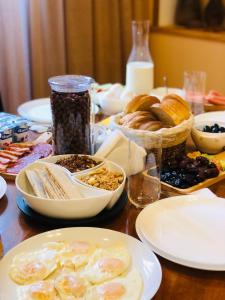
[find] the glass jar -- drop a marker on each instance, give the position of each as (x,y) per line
(140,67)
(71,114)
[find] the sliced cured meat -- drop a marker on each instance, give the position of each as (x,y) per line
(4,161)
(15,153)
(3,167)
(39,151)
(12,158)
(22,145)
(20,150)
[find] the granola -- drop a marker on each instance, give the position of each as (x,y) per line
(103,178)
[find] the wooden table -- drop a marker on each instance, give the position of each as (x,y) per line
(178,282)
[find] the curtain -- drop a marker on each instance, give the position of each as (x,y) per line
(98,35)
(32,51)
(15,83)
(43,38)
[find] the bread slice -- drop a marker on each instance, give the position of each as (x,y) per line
(179,99)
(36,183)
(62,182)
(137,121)
(127,118)
(151,125)
(162,115)
(130,105)
(50,188)
(141,103)
(176,110)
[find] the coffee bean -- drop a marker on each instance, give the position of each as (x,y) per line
(71,122)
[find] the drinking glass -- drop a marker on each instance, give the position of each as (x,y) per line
(194,88)
(144,185)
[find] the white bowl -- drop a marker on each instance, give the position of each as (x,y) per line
(94,201)
(208,142)
(116,193)
(53,159)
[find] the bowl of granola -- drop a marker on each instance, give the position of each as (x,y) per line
(108,176)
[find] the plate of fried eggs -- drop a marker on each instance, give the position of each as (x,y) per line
(83,263)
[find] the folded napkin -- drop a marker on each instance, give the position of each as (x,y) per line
(116,149)
(204,193)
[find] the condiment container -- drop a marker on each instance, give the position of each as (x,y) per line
(71,113)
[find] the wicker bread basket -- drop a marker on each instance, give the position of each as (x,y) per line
(173,139)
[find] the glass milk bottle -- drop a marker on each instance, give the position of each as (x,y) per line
(140,67)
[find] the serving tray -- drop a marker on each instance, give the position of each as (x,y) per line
(104,216)
(201,185)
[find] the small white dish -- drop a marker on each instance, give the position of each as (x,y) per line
(3,186)
(188,230)
(115,194)
(92,202)
(143,259)
(208,142)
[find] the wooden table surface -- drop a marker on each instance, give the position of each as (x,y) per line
(178,282)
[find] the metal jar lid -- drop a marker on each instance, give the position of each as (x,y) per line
(70,83)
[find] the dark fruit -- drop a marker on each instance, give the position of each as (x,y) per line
(186,172)
(214,128)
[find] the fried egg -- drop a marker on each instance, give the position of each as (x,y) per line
(27,268)
(41,290)
(128,287)
(107,263)
(76,254)
(71,286)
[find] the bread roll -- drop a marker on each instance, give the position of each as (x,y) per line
(141,103)
(162,115)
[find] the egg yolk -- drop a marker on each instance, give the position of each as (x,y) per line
(31,269)
(111,291)
(80,247)
(72,286)
(42,291)
(111,265)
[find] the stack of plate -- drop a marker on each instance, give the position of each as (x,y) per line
(188,230)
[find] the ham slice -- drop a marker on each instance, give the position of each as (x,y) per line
(4,161)
(15,153)
(22,145)
(19,150)
(12,158)
(2,167)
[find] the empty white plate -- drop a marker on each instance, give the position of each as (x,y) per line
(39,110)
(3,187)
(187,230)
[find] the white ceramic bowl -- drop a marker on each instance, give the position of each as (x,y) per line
(208,142)
(94,201)
(115,194)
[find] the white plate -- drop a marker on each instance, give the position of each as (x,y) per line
(3,187)
(39,110)
(187,230)
(143,259)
